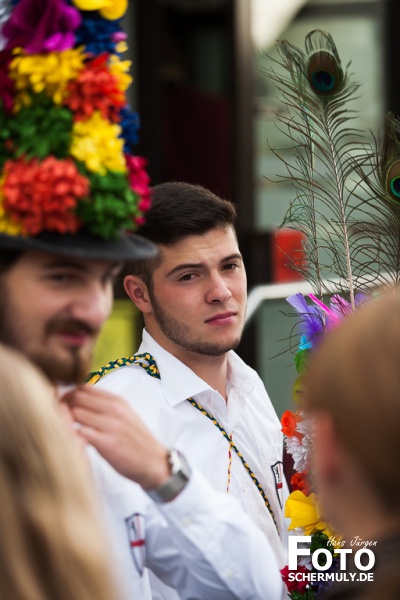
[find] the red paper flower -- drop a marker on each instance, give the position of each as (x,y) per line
(292,584)
(43,195)
(95,89)
(289,422)
(299,481)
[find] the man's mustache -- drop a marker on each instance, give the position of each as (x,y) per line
(71,326)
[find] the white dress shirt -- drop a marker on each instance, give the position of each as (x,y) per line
(248,416)
(200,543)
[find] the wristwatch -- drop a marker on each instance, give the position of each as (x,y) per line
(180,475)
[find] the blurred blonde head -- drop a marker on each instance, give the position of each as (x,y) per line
(355,378)
(51,547)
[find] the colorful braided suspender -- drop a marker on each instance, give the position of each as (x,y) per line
(147,362)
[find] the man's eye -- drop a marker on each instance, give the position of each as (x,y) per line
(187,277)
(230,266)
(62,277)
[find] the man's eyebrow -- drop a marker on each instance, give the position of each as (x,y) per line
(61,263)
(185,266)
(114,267)
(232,257)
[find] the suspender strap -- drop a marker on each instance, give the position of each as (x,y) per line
(147,362)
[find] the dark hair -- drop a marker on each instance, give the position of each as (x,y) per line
(8,258)
(179,210)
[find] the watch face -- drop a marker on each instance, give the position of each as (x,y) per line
(178,462)
(180,475)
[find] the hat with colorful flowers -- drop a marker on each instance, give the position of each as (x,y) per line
(70,182)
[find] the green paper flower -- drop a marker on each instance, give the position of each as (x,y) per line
(112,205)
(301,360)
(42,129)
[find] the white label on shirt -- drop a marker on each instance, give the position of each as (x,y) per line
(277,470)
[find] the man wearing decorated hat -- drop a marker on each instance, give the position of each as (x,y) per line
(71,193)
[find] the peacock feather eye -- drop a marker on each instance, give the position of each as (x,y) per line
(324,74)
(393,180)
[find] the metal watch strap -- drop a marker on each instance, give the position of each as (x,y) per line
(180,475)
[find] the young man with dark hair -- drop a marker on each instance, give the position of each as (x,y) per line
(198,395)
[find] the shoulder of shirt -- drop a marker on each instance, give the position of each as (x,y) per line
(120,378)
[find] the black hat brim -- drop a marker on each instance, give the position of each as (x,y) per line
(83,245)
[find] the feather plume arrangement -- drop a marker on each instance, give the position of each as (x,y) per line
(344,204)
(347,204)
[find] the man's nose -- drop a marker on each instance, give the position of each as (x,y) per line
(218,290)
(93,305)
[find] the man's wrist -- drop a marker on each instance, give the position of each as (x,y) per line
(179,470)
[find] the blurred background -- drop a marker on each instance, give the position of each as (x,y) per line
(207,116)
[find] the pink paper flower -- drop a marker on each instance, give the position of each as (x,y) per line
(42,26)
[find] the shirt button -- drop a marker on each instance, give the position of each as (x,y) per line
(229,574)
(187,521)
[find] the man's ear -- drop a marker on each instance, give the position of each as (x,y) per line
(138,293)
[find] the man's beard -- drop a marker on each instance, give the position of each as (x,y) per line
(180,334)
(71,370)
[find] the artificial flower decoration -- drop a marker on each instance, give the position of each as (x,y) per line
(129,124)
(96,143)
(113,205)
(44,73)
(289,423)
(95,89)
(304,513)
(139,179)
(42,26)
(99,35)
(43,195)
(109,9)
(299,481)
(41,129)
(120,70)
(67,133)
(8,224)
(296,584)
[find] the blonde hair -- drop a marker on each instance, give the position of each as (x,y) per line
(355,376)
(51,547)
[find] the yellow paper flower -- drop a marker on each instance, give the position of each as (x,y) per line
(121,47)
(120,70)
(96,143)
(48,73)
(303,512)
(109,9)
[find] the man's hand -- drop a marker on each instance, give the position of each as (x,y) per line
(109,424)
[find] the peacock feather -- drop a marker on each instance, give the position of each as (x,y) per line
(347,207)
(380,184)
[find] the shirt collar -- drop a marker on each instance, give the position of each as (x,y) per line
(180,383)
(177,380)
